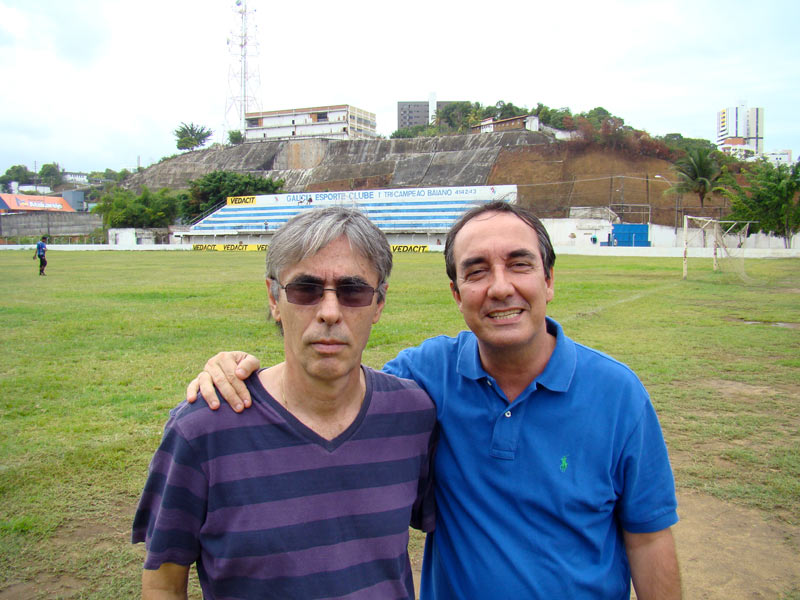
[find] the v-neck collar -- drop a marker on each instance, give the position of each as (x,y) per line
(260,393)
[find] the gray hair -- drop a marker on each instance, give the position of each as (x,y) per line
(310,231)
(498,206)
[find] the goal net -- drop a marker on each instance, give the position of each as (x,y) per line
(725,239)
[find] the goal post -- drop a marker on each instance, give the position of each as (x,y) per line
(723,242)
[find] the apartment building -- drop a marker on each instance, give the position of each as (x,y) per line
(339,121)
(740,131)
(410,114)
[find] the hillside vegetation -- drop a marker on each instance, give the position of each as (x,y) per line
(552,176)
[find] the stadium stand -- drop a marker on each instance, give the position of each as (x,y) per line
(418,210)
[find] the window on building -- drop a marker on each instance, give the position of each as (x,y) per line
(323,116)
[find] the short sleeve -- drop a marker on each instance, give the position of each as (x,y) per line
(400,366)
(647,503)
(174,502)
(423,514)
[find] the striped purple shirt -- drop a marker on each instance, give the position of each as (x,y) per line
(269,509)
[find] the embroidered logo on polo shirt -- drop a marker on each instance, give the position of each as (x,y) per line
(563,466)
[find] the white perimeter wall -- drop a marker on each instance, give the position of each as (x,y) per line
(569,236)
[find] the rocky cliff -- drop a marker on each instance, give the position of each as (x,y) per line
(312,165)
(552,176)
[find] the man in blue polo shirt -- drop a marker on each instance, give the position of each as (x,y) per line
(552,476)
(41,252)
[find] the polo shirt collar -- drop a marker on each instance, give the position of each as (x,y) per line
(556,376)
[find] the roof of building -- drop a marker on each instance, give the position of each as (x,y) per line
(24,202)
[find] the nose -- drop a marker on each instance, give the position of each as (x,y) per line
(500,285)
(328,309)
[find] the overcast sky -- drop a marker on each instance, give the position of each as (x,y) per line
(96,84)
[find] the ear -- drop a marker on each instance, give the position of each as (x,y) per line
(550,287)
(274,310)
(379,308)
(456,294)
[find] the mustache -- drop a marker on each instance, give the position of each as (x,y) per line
(326,337)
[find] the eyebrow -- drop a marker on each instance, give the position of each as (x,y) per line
(521,253)
(477,260)
(469,262)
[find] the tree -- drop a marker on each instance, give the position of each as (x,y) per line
(698,173)
(211,190)
(235,137)
(506,110)
(597,116)
(613,132)
(191,136)
(408,132)
(50,175)
(123,208)
(18,173)
(771,197)
(677,142)
(455,116)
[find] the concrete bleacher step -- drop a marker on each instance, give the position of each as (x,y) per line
(389,214)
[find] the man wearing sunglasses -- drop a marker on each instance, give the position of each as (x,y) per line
(552,476)
(310,494)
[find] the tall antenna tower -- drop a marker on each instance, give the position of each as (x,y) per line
(242,83)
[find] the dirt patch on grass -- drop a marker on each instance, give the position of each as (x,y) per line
(71,543)
(64,586)
(731,552)
(726,552)
(737,390)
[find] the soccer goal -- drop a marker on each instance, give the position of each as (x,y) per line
(726,238)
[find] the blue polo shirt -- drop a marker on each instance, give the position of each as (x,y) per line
(532,497)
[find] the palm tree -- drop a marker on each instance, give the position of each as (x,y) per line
(697,173)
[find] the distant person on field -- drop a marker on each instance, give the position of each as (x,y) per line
(41,251)
(310,494)
(552,475)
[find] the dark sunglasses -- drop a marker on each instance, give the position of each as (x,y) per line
(348,294)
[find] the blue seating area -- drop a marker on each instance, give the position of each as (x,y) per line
(629,234)
(410,215)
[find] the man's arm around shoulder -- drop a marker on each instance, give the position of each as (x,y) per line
(654,565)
(168,582)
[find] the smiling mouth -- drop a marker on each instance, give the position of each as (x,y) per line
(504,314)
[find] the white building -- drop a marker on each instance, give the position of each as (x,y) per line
(738,148)
(779,157)
(69,177)
(29,187)
(491,125)
(741,123)
(341,121)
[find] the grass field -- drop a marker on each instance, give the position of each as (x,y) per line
(97,352)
